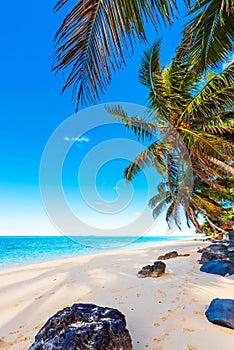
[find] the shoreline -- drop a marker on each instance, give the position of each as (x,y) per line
(159,312)
(129,246)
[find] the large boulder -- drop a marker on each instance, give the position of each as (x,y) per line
(221,312)
(155,270)
(218,267)
(207,256)
(84,327)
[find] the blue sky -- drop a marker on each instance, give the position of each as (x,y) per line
(32,107)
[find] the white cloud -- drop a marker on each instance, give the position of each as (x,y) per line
(81,139)
(137,213)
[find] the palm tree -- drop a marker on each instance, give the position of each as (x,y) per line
(191,127)
(96,36)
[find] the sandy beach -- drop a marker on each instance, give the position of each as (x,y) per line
(162,314)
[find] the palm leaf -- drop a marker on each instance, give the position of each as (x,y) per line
(216,97)
(143,129)
(205,174)
(96,37)
(159,208)
(191,216)
(225,167)
(210,33)
(150,66)
(154,155)
(206,144)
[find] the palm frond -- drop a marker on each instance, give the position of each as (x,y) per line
(208,208)
(150,65)
(172,174)
(210,34)
(181,79)
(225,167)
(205,174)
(143,129)
(206,144)
(214,129)
(191,216)
(172,215)
(154,155)
(150,75)
(96,37)
(159,208)
(216,97)
(153,202)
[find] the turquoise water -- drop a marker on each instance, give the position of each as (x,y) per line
(22,250)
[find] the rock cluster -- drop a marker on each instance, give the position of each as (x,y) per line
(155,270)
(217,259)
(83,327)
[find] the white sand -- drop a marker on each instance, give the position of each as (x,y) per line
(162,314)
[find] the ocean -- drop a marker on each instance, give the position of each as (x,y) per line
(23,250)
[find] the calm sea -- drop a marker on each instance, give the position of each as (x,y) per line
(22,250)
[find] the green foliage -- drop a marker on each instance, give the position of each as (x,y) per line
(192,128)
(210,33)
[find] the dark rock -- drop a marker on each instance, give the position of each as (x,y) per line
(184,254)
(169,255)
(161,257)
(216,251)
(207,256)
(231,239)
(214,248)
(84,327)
(202,250)
(159,269)
(155,270)
(217,248)
(146,271)
(204,239)
(230,254)
(218,267)
(221,312)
